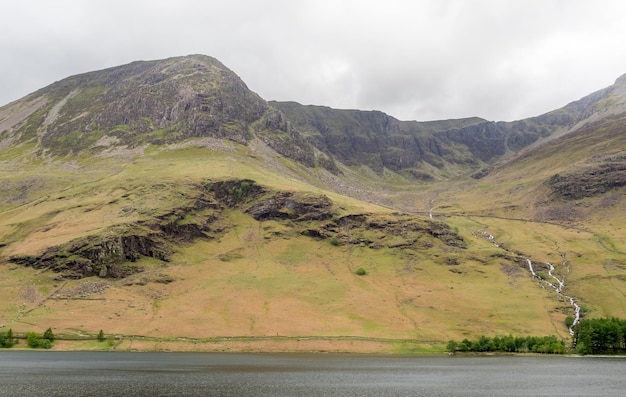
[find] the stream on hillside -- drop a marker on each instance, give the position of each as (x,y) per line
(558,285)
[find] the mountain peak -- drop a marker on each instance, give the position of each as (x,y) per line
(177,67)
(156,102)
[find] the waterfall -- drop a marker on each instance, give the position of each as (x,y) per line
(558,287)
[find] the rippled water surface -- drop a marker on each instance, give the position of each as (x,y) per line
(42,373)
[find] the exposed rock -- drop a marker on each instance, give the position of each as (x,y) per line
(565,213)
(114,253)
(106,257)
(406,229)
(452,261)
(277,132)
(169,101)
(119,110)
(443,232)
(83,290)
(157,102)
(589,181)
(481,173)
(381,142)
(420,175)
(230,255)
(236,191)
(290,205)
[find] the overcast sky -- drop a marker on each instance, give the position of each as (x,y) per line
(412,59)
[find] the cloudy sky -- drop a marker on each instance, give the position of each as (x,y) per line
(413,59)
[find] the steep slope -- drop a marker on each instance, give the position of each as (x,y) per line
(379,141)
(164,199)
(435,149)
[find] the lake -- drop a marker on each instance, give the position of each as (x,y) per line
(45,373)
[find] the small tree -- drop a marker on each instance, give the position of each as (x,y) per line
(48,335)
(101,336)
(6,339)
(452,346)
(9,341)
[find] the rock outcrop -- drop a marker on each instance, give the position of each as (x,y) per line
(589,181)
(115,253)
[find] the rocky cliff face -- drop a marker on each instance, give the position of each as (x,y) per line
(379,141)
(144,102)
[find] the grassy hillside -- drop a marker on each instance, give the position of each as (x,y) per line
(256,278)
(563,203)
(165,203)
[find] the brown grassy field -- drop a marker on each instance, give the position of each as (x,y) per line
(284,291)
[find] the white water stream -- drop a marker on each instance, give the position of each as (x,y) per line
(558,287)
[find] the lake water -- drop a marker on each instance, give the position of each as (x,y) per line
(43,373)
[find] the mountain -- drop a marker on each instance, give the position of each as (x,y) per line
(165,200)
(380,141)
(146,103)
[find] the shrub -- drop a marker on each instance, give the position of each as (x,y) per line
(361,272)
(6,339)
(32,339)
(334,241)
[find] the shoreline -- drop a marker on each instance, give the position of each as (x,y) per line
(266,344)
(247,344)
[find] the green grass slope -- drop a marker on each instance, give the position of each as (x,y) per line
(275,276)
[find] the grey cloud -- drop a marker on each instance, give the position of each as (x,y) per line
(428,59)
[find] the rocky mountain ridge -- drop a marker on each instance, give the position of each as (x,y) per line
(380,141)
(177,99)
